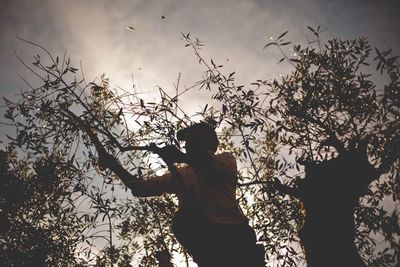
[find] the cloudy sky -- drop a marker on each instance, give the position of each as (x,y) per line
(95,33)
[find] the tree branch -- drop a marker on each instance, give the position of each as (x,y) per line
(105,159)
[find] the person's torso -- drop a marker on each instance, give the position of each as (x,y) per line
(214,197)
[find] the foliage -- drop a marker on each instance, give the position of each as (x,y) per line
(328,110)
(122,120)
(330,106)
(40,226)
(327,105)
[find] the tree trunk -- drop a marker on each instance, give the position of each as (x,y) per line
(330,192)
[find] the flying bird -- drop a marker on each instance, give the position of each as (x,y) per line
(130,28)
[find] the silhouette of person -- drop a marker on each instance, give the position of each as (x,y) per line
(209,222)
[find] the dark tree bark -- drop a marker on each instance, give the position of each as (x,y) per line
(330,193)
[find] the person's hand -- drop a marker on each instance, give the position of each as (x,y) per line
(170,154)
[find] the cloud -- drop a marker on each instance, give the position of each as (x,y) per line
(95,32)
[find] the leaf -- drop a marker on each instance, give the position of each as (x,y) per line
(205,108)
(104,217)
(285,43)
(250,149)
(311,29)
(283,34)
(8,102)
(212,62)
(9,137)
(273,43)
(224,109)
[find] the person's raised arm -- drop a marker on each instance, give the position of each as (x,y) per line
(106,160)
(151,187)
(154,186)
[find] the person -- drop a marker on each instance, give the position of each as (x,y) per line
(209,222)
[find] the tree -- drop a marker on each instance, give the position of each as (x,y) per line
(295,138)
(341,128)
(39,225)
(346,132)
(45,121)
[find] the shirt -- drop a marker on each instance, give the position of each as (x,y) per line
(215,196)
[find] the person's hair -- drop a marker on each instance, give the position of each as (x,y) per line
(202,132)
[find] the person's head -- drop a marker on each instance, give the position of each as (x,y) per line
(199,138)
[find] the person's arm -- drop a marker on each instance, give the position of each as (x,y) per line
(139,187)
(105,160)
(154,186)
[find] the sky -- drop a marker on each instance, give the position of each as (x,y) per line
(95,33)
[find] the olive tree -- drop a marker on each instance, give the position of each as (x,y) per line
(318,152)
(52,121)
(336,125)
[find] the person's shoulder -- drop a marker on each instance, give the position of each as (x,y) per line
(226,162)
(226,156)
(184,169)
